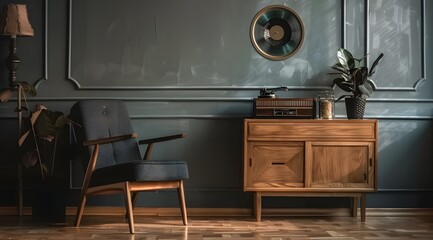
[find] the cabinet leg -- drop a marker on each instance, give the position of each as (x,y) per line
(363,206)
(258,206)
(355,207)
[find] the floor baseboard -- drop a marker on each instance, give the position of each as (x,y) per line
(231,212)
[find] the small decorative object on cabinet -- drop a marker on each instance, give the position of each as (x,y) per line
(310,157)
(326,105)
(355,79)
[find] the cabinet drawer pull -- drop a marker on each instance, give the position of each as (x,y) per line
(278,163)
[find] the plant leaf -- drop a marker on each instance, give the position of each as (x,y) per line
(371,83)
(342,96)
(5,95)
(345,58)
(366,89)
(343,84)
(23,138)
(347,77)
(30,159)
(340,68)
(49,122)
(375,64)
(360,76)
(45,124)
(61,121)
(35,116)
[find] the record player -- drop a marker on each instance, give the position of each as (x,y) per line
(269,105)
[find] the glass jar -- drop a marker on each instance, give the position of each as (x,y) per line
(326,105)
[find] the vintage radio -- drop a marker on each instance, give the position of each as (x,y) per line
(268,105)
(303,108)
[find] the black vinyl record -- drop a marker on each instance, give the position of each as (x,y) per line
(277,32)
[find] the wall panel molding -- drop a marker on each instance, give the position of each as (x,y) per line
(422,78)
(45,48)
(79,85)
(203,99)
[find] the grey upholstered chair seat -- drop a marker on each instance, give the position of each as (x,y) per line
(140,171)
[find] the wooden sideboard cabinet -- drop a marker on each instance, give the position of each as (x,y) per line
(310,157)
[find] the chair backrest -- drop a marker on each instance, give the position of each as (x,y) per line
(102,119)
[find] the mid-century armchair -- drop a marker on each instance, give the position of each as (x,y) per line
(113,161)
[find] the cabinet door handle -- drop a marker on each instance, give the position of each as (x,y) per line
(278,163)
(251,162)
(365,176)
(371,162)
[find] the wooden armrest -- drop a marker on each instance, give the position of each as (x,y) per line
(109,139)
(161,139)
(151,141)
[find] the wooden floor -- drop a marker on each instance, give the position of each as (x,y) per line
(115,227)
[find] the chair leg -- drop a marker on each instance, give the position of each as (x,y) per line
(80,211)
(128,204)
(180,192)
(134,201)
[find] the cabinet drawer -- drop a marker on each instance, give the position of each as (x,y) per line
(311,129)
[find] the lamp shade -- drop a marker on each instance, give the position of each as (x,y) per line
(15,21)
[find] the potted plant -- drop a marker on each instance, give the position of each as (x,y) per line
(46,128)
(41,146)
(354,77)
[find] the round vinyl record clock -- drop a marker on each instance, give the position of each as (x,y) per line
(277,32)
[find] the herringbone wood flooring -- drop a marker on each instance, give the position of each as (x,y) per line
(276,228)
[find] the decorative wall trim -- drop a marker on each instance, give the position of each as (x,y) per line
(215,117)
(343,23)
(204,116)
(400,100)
(367,27)
(204,99)
(45,76)
(423,42)
(416,84)
(402,89)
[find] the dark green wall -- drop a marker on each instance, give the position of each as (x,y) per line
(189,66)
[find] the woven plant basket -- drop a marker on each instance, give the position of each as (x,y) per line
(355,108)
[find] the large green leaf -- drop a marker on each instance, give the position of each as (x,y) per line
(48,123)
(375,64)
(340,68)
(344,85)
(366,89)
(360,75)
(345,58)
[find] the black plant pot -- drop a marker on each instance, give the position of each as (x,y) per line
(49,203)
(355,108)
